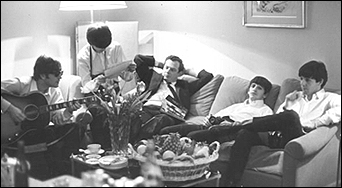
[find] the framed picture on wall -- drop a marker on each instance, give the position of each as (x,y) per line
(278,14)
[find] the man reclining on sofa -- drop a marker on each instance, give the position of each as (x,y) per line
(161,85)
(254,106)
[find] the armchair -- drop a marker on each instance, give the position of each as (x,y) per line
(310,160)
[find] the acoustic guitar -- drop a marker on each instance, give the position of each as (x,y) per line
(35,106)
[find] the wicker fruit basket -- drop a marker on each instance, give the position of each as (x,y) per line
(177,170)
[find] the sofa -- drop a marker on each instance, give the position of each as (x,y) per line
(310,160)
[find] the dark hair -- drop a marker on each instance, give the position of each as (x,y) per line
(46,65)
(176,58)
(99,35)
(315,70)
(263,82)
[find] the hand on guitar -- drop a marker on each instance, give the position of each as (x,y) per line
(16,114)
(73,107)
(63,118)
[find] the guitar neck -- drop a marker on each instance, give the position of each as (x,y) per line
(52,107)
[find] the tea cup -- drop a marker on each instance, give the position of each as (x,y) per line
(94,148)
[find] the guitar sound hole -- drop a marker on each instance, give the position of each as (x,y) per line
(31,112)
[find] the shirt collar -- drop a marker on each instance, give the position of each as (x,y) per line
(34,87)
(255,103)
(171,83)
(94,53)
(318,95)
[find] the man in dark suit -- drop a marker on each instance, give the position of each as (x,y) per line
(161,85)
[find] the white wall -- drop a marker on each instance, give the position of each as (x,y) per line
(214,27)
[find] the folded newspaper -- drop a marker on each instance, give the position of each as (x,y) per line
(174,109)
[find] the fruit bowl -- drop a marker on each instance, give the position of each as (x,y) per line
(183,167)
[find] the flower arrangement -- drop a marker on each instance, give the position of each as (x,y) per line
(121,110)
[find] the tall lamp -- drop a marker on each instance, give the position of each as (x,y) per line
(91,5)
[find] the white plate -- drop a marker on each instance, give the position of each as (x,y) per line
(96,156)
(92,161)
(88,152)
(113,162)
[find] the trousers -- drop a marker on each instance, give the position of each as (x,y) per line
(287,122)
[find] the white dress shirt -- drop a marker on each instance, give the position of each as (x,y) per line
(323,109)
(24,85)
(111,56)
(158,99)
(246,110)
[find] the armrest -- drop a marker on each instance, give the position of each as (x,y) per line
(311,160)
(312,142)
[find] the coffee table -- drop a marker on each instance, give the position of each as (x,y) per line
(210,179)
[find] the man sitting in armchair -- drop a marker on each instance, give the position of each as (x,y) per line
(302,112)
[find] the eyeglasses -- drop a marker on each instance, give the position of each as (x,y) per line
(57,74)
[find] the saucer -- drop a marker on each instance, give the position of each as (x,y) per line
(113,162)
(92,161)
(88,152)
(96,156)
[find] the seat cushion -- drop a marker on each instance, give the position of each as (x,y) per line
(264,159)
(261,158)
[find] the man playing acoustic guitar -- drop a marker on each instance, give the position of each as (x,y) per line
(40,89)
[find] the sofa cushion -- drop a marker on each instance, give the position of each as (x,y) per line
(264,159)
(287,86)
(261,158)
(272,96)
(202,100)
(234,90)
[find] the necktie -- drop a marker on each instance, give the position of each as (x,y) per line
(174,93)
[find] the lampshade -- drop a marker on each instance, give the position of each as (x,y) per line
(91,5)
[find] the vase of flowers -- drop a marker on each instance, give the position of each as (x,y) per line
(121,110)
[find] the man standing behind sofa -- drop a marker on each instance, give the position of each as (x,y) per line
(93,60)
(301,112)
(159,85)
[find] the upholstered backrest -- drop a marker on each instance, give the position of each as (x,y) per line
(287,86)
(234,90)
(202,100)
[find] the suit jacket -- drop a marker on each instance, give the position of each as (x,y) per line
(152,79)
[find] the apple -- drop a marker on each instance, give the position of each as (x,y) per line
(141,149)
(168,155)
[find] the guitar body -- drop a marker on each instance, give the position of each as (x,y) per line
(29,105)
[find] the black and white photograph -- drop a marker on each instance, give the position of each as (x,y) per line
(171,93)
